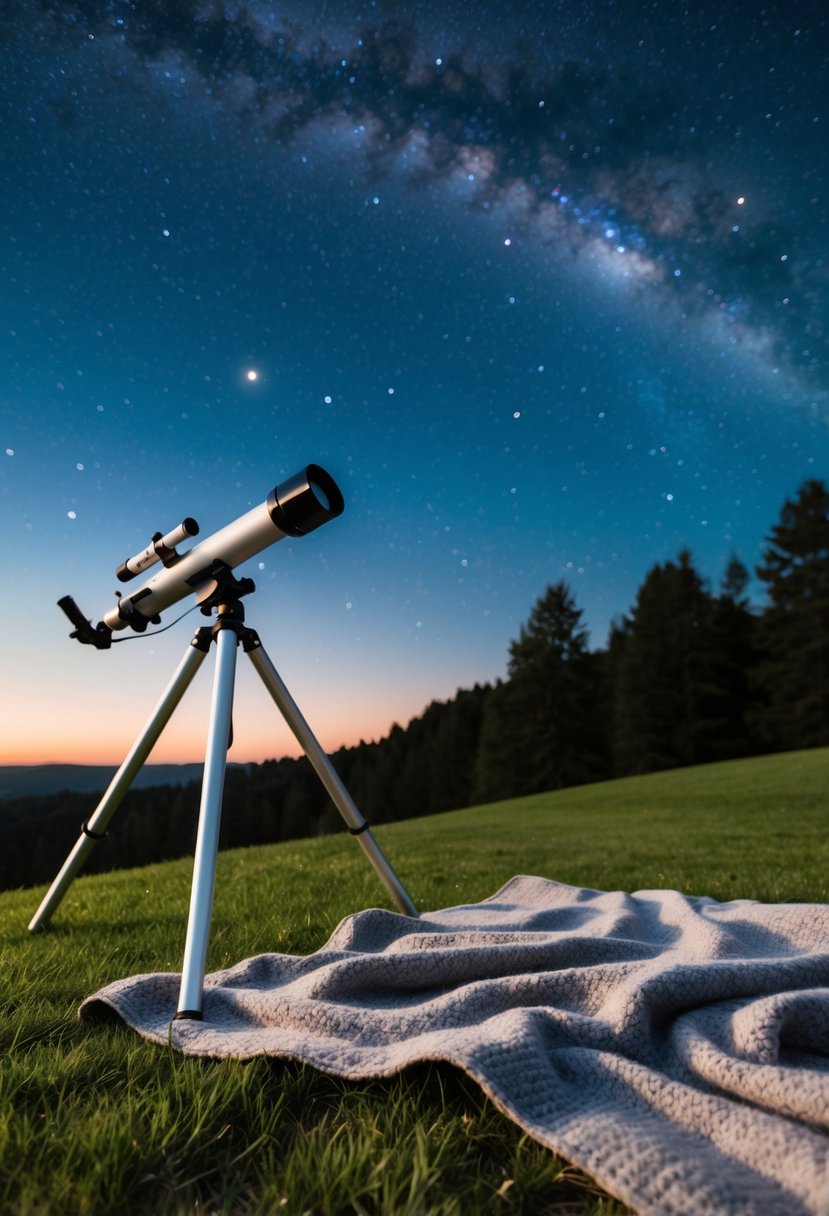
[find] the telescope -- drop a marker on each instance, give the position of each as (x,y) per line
(300,505)
(295,508)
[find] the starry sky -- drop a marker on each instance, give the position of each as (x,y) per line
(541,285)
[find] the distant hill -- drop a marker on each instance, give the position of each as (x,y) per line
(23,780)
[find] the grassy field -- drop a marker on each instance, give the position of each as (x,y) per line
(94,1120)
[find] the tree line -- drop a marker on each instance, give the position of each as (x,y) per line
(689,675)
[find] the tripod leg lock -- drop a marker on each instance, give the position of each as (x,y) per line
(87,831)
(364,827)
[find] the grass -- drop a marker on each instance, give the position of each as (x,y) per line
(95,1120)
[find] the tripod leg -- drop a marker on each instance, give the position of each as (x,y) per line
(95,826)
(327,774)
(207,840)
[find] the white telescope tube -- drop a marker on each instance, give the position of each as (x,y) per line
(301,504)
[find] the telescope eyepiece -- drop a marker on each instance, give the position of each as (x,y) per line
(305,501)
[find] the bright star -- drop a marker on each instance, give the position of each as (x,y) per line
(252,374)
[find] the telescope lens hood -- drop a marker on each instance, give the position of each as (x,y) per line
(305,501)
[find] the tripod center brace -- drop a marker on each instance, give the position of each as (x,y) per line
(228,631)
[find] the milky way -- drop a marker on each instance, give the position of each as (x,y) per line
(598,161)
(542,285)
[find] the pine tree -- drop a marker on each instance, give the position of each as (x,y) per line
(794,629)
(663,666)
(541,728)
(453,749)
(500,764)
(734,659)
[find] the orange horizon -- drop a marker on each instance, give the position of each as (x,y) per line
(111,753)
(101,760)
(71,719)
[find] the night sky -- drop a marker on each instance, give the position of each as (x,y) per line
(543,287)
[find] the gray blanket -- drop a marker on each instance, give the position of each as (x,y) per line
(676,1048)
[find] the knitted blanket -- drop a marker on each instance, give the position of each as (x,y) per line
(675,1048)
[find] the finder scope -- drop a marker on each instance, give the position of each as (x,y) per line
(160,549)
(298,506)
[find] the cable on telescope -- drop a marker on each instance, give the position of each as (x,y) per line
(138,637)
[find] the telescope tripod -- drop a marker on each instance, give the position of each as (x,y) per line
(228,632)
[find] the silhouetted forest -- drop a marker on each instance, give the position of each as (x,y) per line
(689,675)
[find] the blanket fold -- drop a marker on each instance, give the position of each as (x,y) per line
(675,1047)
